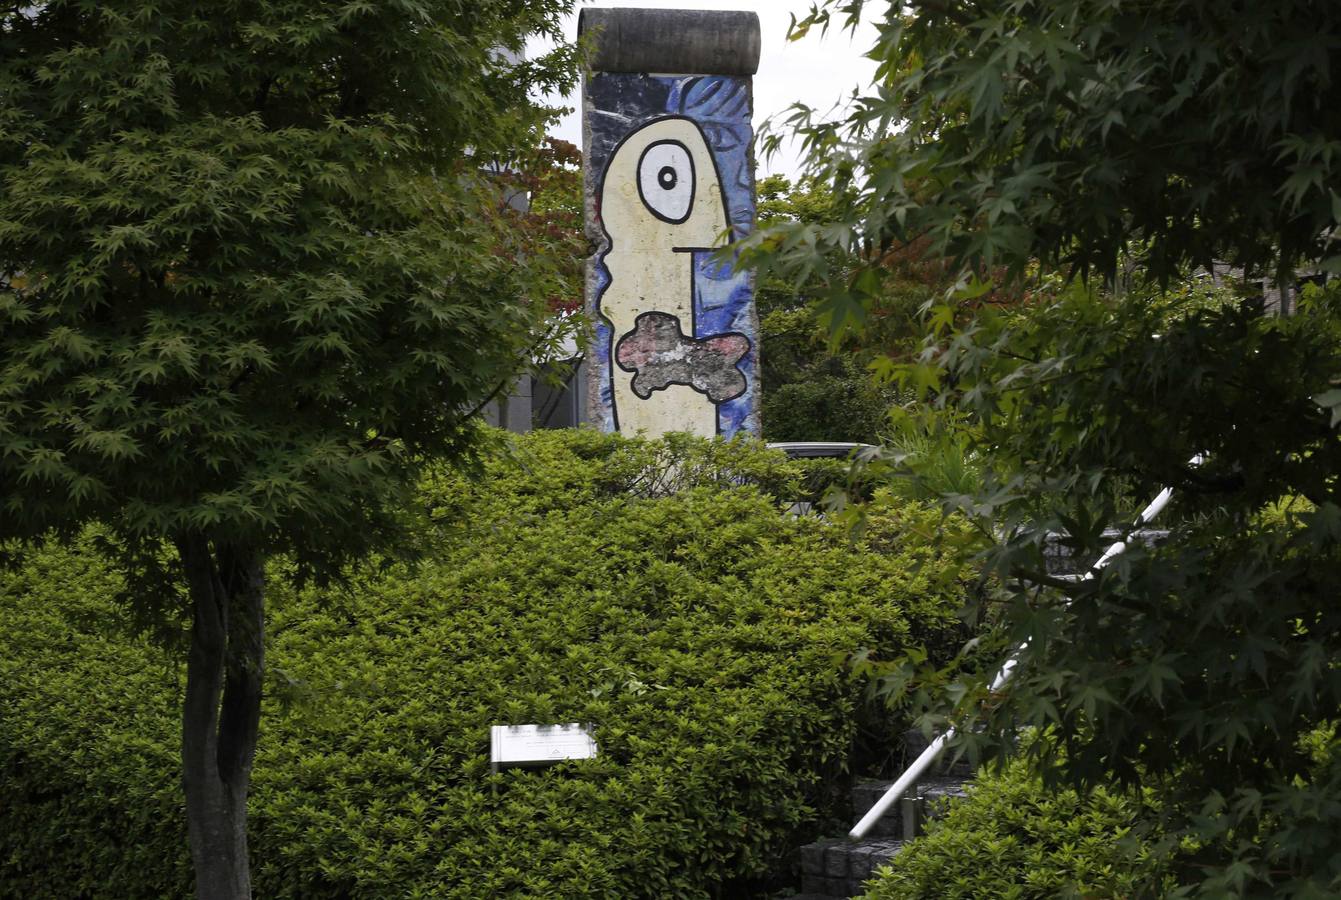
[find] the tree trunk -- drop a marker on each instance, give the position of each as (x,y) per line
(222,711)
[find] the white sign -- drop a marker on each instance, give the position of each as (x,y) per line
(538,745)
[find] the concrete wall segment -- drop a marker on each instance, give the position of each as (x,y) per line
(692,366)
(673,41)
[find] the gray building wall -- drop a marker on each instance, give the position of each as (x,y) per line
(531,402)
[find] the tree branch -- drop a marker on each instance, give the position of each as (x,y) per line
(492,395)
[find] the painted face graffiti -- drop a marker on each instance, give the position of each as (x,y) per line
(666,181)
(661,200)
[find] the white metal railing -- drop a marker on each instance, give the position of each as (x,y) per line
(927,758)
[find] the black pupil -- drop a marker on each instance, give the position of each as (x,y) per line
(667,178)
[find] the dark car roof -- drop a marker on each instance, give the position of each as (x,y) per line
(818,449)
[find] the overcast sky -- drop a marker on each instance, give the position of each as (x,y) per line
(819,72)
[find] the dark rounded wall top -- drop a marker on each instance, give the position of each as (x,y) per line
(673,41)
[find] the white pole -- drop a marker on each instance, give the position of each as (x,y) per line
(911,776)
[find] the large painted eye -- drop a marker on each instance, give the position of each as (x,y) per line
(666,181)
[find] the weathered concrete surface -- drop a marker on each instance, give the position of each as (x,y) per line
(653,231)
(669,178)
(673,41)
(660,354)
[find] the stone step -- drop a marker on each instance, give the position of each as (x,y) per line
(837,867)
(906,817)
(931,799)
(938,793)
(866,792)
(932,792)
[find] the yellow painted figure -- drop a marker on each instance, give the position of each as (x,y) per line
(660,200)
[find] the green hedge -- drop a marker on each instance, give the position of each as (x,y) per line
(1013,840)
(697,630)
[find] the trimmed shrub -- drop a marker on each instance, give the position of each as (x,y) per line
(826,408)
(1012,839)
(697,630)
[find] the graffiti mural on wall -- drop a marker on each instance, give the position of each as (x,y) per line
(670,176)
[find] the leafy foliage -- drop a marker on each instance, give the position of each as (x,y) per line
(1030,141)
(849,407)
(816,374)
(928,455)
(1201,664)
(1080,134)
(248,272)
(253,274)
(697,630)
(812,389)
(1011,839)
(551,177)
(1207,658)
